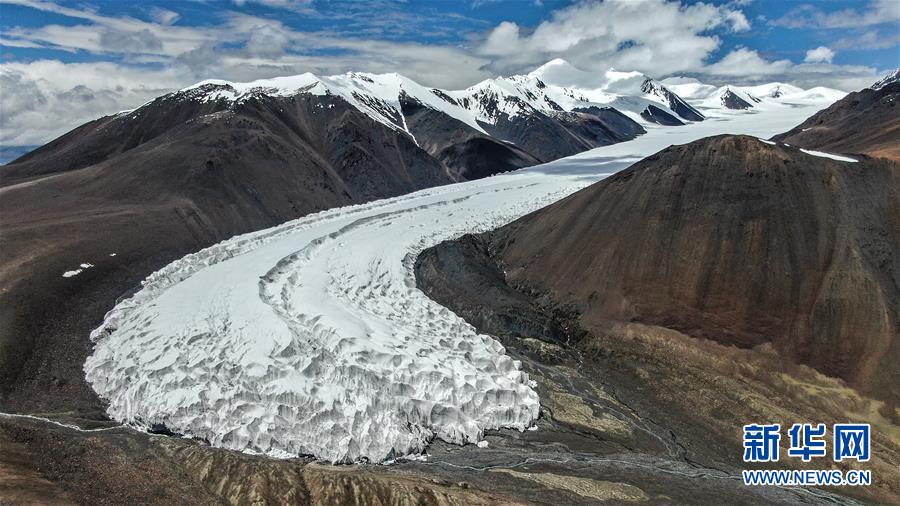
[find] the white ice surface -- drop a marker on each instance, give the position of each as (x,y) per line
(828,155)
(311,337)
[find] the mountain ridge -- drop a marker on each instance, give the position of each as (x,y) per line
(546,96)
(865,121)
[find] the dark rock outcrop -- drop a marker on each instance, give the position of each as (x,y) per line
(466,152)
(154,185)
(675,103)
(712,283)
(890,78)
(656,115)
(736,241)
(559,134)
(731,100)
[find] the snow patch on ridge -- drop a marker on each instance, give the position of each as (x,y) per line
(79,270)
(822,154)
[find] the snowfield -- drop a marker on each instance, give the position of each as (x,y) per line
(311,337)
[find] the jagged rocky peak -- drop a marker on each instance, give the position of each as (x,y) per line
(553,88)
(891,77)
(732,99)
(678,105)
(627,90)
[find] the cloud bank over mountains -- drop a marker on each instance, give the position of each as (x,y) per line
(86,63)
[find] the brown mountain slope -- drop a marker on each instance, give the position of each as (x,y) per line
(866,121)
(194,167)
(709,285)
(734,240)
(155,193)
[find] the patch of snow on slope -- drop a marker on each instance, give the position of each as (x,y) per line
(828,155)
(79,270)
(771,90)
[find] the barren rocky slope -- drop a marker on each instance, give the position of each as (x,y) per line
(184,175)
(866,121)
(208,162)
(736,241)
(720,281)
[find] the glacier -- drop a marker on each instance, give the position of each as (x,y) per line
(311,338)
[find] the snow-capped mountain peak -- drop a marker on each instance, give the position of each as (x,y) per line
(560,72)
(674,102)
(555,87)
(773,90)
(548,93)
(892,77)
(377,95)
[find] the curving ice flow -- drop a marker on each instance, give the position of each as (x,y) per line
(311,337)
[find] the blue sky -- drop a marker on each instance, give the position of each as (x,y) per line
(64,63)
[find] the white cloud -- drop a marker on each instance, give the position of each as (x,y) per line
(876,12)
(872,39)
(654,36)
(164,16)
(45,98)
(820,54)
(245,47)
(284,4)
(738,21)
(746,62)
(659,38)
(744,65)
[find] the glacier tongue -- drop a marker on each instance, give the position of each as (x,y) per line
(300,339)
(311,337)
